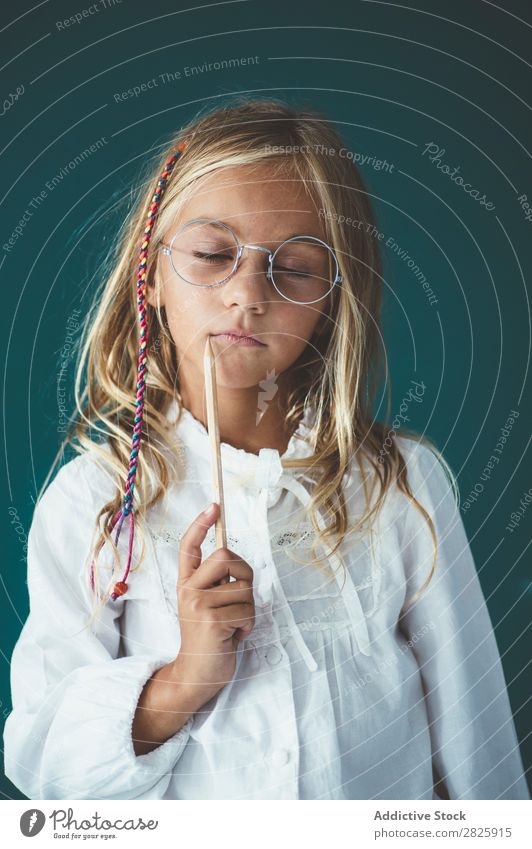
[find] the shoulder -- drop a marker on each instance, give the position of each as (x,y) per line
(416,449)
(429,478)
(434,487)
(84,482)
(426,465)
(65,521)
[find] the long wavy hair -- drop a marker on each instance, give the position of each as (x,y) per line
(338,374)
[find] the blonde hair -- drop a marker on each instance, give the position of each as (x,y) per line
(338,373)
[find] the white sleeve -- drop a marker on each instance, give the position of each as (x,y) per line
(74,697)
(475,749)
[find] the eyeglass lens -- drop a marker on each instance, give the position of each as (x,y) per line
(205,254)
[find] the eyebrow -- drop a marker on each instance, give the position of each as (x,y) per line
(239,234)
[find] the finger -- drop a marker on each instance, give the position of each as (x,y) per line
(233,593)
(236,615)
(190,546)
(220,563)
(242,633)
(243,614)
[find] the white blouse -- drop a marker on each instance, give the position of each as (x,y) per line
(332,697)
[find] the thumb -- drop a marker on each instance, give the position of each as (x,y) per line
(190,548)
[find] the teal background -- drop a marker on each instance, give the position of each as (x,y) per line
(393,79)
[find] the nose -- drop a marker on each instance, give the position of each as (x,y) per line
(249,285)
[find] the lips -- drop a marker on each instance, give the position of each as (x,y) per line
(238,335)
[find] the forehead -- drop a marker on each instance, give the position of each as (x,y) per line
(259,201)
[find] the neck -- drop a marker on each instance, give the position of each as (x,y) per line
(238,411)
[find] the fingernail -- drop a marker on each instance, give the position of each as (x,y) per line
(209,509)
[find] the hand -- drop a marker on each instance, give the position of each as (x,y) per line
(213,617)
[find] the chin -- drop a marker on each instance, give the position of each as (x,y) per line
(236,373)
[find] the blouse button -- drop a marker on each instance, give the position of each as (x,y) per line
(280,757)
(274,655)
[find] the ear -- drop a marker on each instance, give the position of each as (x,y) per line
(153,286)
(150,296)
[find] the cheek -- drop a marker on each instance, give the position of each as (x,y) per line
(184,313)
(297,324)
(189,312)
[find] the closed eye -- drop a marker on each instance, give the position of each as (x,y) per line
(295,271)
(212,257)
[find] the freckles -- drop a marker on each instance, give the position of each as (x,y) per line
(186,302)
(301,321)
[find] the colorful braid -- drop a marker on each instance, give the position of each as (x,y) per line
(121,587)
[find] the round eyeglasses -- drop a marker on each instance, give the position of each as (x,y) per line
(205,252)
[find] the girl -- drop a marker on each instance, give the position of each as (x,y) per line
(350,655)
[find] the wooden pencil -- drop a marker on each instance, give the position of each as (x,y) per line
(211,398)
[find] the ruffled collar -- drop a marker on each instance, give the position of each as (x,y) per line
(256,471)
